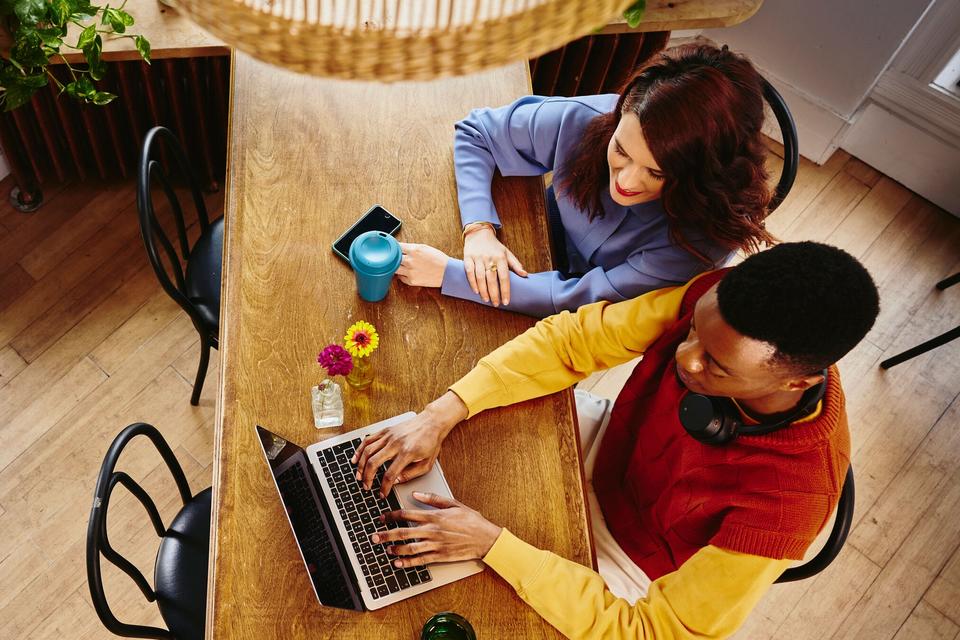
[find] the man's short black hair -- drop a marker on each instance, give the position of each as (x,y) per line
(811,301)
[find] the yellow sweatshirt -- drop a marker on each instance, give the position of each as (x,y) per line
(712,593)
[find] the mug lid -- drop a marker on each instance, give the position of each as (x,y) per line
(375,253)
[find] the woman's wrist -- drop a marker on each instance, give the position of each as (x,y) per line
(472,227)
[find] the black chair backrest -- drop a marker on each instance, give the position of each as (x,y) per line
(830,549)
(791,152)
(161,141)
(98,544)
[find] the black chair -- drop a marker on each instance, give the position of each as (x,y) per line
(830,549)
(195,285)
(791,150)
(180,574)
(932,343)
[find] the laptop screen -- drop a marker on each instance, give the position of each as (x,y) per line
(310,521)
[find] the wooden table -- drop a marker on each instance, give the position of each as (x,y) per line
(307,157)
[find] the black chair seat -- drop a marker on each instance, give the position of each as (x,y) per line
(181,571)
(180,574)
(203,274)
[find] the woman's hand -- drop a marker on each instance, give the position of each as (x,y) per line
(422,265)
(451,532)
(412,445)
(488,264)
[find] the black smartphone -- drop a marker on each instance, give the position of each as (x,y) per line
(376,219)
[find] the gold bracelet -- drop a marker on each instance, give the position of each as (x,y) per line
(473,226)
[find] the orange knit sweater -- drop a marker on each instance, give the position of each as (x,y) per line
(665,495)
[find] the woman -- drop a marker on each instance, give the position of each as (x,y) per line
(652,187)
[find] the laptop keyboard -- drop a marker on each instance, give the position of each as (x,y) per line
(315,545)
(360,510)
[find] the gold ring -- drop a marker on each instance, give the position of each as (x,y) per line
(492,267)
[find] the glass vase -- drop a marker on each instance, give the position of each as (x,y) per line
(361,376)
(327,402)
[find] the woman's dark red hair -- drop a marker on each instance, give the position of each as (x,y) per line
(701,109)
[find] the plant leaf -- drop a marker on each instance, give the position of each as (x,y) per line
(102,98)
(36,81)
(87,36)
(60,11)
(82,9)
(30,12)
(17,87)
(28,51)
(51,37)
(634,13)
(17,95)
(113,16)
(84,87)
(92,54)
(143,46)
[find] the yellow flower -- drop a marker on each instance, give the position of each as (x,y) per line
(361,339)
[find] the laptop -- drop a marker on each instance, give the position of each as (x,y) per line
(332,518)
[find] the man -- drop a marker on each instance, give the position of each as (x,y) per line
(711,523)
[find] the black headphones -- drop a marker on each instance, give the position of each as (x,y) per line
(713,420)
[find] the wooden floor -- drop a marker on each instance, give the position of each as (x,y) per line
(89,343)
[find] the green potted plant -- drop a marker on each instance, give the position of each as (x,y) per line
(38,31)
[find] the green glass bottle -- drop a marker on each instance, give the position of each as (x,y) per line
(447,625)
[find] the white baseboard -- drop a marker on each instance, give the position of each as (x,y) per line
(819,128)
(931,168)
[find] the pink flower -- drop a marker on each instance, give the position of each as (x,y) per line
(336,360)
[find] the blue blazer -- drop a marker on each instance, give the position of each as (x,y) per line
(621,255)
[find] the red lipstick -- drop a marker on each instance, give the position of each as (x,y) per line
(624,192)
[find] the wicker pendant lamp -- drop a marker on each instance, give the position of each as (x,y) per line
(392,40)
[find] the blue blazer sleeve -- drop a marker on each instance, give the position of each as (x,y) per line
(520,139)
(546,293)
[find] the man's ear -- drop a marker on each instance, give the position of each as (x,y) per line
(803,383)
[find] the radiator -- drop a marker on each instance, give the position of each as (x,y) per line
(594,64)
(58,139)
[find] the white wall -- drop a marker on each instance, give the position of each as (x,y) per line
(824,56)
(931,168)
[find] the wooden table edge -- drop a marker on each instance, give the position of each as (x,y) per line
(221,382)
(665,23)
(587,523)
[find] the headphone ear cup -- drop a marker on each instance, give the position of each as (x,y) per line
(704,418)
(729,428)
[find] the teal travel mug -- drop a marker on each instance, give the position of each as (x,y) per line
(375,257)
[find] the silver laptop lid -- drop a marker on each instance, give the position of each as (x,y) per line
(322,552)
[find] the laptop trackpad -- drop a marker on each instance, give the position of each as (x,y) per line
(431,482)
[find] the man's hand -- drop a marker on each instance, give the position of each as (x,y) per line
(488,263)
(422,265)
(412,445)
(451,532)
